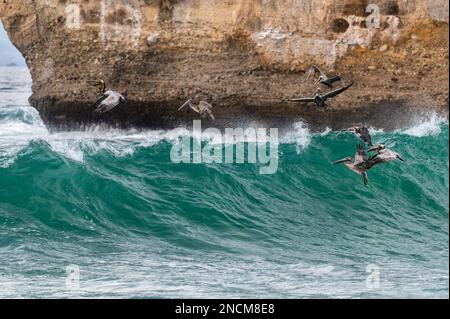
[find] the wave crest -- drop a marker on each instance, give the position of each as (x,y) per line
(430,126)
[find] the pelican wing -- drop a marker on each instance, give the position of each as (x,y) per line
(337,91)
(209,113)
(205,109)
(302,99)
(334,79)
(372,161)
(195,108)
(112,100)
(100,100)
(360,156)
(205,105)
(124,96)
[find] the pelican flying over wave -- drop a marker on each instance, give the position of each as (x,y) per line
(320,99)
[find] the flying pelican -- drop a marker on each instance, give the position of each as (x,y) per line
(385,155)
(323,78)
(359,164)
(201,107)
(362,132)
(362,163)
(320,99)
(107,99)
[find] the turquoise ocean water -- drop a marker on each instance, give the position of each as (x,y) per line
(105,213)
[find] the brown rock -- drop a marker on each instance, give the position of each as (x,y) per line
(197,42)
(383,48)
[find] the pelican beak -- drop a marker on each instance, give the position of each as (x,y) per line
(185,104)
(93,82)
(341,161)
(317,81)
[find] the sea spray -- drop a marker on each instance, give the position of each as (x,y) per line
(300,135)
(426,126)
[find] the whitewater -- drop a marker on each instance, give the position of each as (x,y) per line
(110,204)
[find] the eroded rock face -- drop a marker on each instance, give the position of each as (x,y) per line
(244,56)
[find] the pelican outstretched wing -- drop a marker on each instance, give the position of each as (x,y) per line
(205,109)
(372,161)
(100,100)
(360,156)
(337,91)
(334,79)
(209,113)
(302,99)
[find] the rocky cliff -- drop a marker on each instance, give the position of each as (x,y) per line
(246,57)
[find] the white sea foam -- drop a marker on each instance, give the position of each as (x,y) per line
(326,131)
(300,135)
(375,131)
(16,135)
(427,127)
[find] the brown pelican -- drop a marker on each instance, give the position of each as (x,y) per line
(320,99)
(323,78)
(107,99)
(362,132)
(359,164)
(362,163)
(201,107)
(385,155)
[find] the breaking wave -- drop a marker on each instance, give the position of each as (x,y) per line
(112,203)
